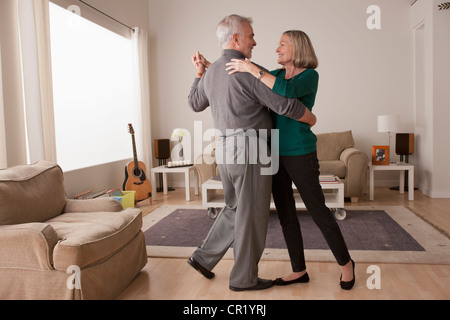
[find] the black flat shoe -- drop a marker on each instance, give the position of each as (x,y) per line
(281,282)
(348,285)
(204,272)
(261,285)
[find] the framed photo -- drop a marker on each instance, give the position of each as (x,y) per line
(380,155)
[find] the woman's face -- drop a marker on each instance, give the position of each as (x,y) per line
(285,50)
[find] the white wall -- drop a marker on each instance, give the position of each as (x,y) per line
(364,73)
(432,76)
(441,185)
(3,152)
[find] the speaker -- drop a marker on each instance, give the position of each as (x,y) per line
(162,149)
(405,144)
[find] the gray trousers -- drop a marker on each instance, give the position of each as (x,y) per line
(244,219)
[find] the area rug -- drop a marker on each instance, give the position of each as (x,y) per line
(372,234)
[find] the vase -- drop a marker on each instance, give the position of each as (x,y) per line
(181,152)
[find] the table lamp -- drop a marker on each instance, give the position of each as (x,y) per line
(389,124)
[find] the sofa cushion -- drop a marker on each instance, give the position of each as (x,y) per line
(331,145)
(335,167)
(88,238)
(32,193)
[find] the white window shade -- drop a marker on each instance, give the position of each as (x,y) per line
(3,158)
(93,91)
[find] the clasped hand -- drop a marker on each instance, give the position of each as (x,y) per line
(200,63)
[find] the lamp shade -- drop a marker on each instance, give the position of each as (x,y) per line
(388,123)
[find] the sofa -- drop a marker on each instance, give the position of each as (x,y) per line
(336,153)
(53,248)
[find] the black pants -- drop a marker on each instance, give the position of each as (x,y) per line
(304,172)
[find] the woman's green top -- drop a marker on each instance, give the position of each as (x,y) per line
(296,138)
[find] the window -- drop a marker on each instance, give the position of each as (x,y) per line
(93,91)
(3,158)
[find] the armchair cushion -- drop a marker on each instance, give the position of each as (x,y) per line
(31,193)
(90,237)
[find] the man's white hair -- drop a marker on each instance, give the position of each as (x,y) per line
(230,25)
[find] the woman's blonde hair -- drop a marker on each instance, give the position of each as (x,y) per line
(304,55)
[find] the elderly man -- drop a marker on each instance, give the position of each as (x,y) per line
(239,105)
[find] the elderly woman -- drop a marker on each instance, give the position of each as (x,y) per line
(298,156)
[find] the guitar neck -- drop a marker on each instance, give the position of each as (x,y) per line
(136,163)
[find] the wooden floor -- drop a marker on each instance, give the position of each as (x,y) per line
(174,279)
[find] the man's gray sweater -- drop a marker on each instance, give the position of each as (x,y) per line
(239,101)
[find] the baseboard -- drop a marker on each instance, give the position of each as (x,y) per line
(434,194)
(439,194)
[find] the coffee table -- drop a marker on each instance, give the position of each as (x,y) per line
(213,198)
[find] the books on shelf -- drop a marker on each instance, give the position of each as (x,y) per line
(115,193)
(328,178)
(90,195)
(84,195)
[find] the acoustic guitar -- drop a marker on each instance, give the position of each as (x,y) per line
(136,176)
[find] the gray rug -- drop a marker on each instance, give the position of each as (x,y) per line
(372,234)
(362,230)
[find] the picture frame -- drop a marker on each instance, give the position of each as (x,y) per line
(380,155)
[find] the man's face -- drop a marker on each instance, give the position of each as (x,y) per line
(247,41)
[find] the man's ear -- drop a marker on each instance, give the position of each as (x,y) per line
(235,39)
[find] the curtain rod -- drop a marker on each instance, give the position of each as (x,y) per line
(90,6)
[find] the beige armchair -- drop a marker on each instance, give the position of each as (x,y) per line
(337,155)
(54,248)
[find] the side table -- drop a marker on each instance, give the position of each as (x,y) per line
(187,178)
(402,167)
